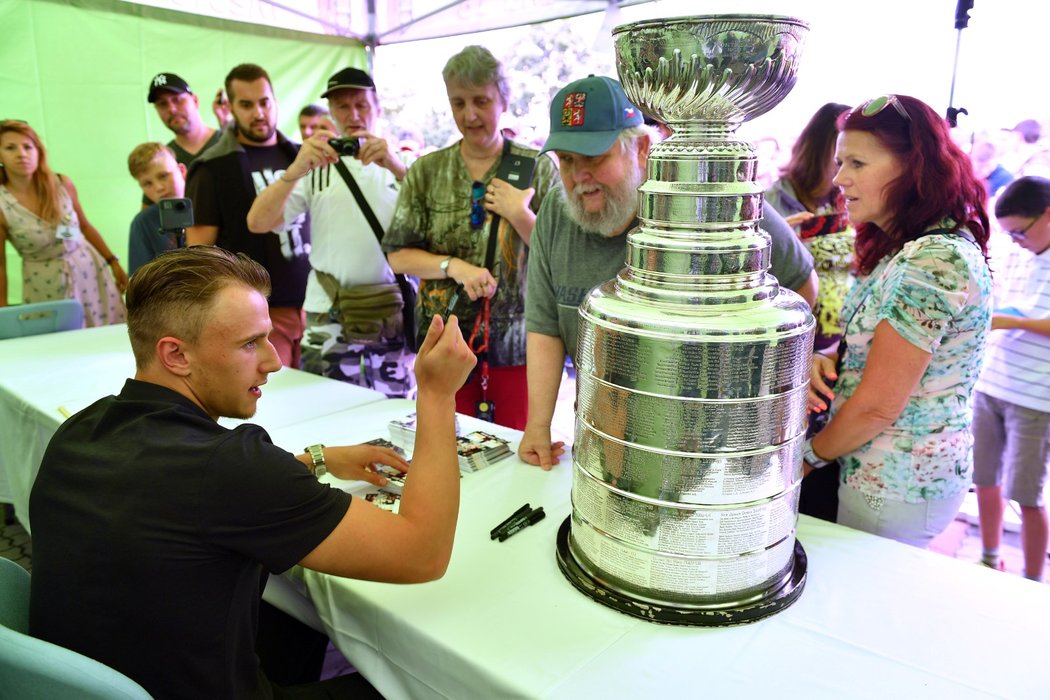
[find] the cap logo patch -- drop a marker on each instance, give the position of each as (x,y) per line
(572,111)
(160,80)
(628,112)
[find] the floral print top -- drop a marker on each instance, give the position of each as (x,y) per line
(937,293)
(829,238)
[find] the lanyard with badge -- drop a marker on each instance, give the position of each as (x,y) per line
(517,171)
(66,231)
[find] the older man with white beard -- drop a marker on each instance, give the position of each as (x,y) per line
(579,240)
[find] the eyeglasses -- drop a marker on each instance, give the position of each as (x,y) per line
(1023,233)
(877,104)
(477,211)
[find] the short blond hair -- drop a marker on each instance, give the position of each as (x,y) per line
(144,154)
(174,293)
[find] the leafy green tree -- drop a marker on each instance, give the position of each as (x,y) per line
(539,60)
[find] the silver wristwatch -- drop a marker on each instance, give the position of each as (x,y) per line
(811,457)
(444,265)
(318,468)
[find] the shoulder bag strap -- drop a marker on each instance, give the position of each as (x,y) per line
(490,254)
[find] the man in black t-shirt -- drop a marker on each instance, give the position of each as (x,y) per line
(177,106)
(154,527)
(223,183)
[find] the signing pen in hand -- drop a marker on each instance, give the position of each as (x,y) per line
(452,301)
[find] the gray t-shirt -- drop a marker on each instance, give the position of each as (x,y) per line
(566,262)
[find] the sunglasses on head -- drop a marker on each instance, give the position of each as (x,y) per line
(477,211)
(877,104)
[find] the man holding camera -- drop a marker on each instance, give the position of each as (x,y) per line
(224,182)
(355,329)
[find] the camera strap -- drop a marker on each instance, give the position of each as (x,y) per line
(355,189)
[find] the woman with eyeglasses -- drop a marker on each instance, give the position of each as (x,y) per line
(451,205)
(915,324)
(63,255)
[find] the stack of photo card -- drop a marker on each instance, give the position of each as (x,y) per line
(386,500)
(479,450)
(396,478)
(403,431)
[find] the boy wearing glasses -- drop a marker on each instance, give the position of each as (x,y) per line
(1011,422)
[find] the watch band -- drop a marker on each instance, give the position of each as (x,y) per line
(318,467)
(811,457)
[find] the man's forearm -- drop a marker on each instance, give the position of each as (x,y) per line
(546,358)
(431,495)
(267,212)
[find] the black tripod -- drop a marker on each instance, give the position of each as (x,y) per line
(962,20)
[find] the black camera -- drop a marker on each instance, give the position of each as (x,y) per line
(346,147)
(175,214)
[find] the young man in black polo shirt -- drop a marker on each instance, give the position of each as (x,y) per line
(154,527)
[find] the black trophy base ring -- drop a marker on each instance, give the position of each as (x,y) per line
(672,615)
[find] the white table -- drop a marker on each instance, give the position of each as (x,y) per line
(46,378)
(877,619)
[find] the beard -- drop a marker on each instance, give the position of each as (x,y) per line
(249,135)
(619,206)
(180,129)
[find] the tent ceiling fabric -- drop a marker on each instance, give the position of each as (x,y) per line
(378,22)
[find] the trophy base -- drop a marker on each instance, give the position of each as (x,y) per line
(787,594)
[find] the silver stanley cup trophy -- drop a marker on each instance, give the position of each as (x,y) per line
(693,364)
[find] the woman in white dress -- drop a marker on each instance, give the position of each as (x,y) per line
(63,255)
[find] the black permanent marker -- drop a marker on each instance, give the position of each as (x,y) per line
(517,514)
(531,519)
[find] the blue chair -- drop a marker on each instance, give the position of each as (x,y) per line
(31,668)
(42,317)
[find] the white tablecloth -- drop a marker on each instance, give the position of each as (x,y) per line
(46,378)
(877,619)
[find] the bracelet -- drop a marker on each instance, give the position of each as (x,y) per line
(811,457)
(112,259)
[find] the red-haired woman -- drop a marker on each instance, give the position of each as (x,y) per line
(916,324)
(63,255)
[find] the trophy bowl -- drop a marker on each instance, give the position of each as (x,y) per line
(709,68)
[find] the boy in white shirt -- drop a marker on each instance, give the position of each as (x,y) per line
(1011,423)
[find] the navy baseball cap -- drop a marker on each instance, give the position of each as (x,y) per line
(169,82)
(587,115)
(353,78)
